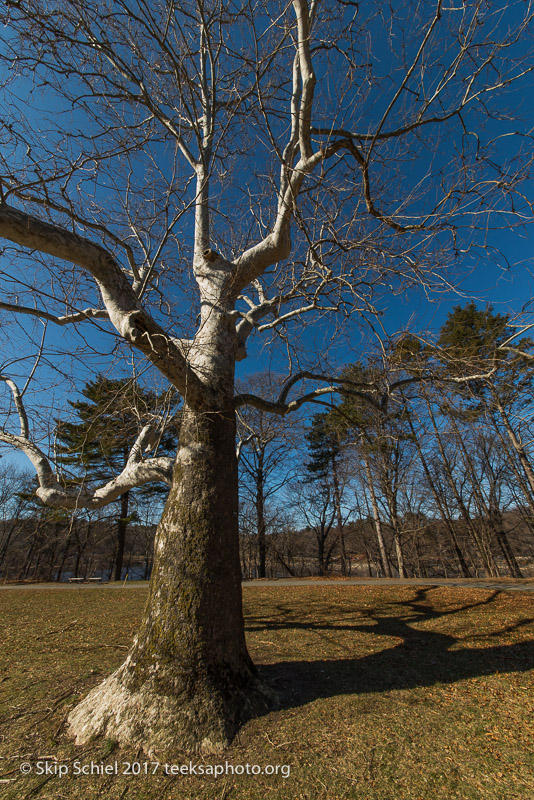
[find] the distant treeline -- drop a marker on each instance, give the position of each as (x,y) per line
(34,549)
(423,467)
(428,551)
(37,549)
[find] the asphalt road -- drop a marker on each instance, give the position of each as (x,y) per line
(475,583)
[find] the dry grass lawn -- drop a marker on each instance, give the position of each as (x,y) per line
(385,693)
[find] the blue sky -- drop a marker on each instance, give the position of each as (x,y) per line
(500,278)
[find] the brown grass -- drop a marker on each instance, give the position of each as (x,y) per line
(385,693)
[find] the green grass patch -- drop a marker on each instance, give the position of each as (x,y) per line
(385,693)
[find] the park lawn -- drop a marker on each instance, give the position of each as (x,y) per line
(384,693)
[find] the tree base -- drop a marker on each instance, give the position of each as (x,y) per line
(162,725)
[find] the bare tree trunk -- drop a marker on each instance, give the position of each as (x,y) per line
(65,551)
(121,535)
(7,541)
(484,552)
(517,444)
(260,516)
(399,553)
(391,499)
(320,555)
(440,504)
(290,570)
(497,524)
(339,515)
(489,511)
(188,681)
(378,523)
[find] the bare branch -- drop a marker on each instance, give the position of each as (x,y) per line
(122,306)
(19,405)
(67,319)
(137,471)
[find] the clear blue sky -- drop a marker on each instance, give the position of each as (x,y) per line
(508,288)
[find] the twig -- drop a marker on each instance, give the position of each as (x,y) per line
(58,630)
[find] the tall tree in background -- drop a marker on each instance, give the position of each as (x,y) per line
(383,442)
(184,177)
(266,444)
(324,439)
(99,444)
(474,339)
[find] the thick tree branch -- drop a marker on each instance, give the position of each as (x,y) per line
(19,405)
(137,471)
(282,406)
(122,305)
(276,246)
(370,392)
(67,319)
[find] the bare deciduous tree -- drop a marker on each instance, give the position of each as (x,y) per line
(266,444)
(185,177)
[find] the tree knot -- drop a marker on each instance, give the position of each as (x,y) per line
(210,255)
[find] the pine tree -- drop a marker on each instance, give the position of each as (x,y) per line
(111,417)
(472,339)
(324,439)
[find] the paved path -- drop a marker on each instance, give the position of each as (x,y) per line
(474,583)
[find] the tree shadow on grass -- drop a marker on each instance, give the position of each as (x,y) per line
(423,658)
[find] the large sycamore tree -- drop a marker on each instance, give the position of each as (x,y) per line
(189,176)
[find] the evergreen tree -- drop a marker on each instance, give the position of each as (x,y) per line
(324,439)
(111,417)
(324,445)
(470,335)
(475,339)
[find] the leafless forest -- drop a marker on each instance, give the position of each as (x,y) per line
(437,484)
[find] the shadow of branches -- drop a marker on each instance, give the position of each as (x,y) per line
(423,657)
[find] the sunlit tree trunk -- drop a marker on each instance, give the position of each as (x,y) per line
(377,521)
(188,681)
(121,535)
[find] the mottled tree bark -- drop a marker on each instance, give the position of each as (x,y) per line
(188,681)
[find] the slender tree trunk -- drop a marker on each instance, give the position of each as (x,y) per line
(391,499)
(121,535)
(260,516)
(378,523)
(502,540)
(54,551)
(399,554)
(188,681)
(320,553)
(390,490)
(339,516)
(517,444)
(7,541)
(441,505)
(77,564)
(512,461)
(65,551)
(485,553)
(484,509)
(36,547)
(284,563)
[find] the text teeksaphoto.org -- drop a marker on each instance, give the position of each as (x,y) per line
(137,768)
